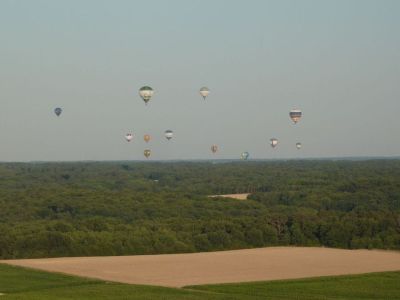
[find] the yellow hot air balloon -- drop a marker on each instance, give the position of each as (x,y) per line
(147,138)
(147,153)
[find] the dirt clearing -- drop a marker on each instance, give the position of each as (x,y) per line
(178,270)
(233,196)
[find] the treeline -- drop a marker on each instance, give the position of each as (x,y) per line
(120,208)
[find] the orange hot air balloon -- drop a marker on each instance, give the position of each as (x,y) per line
(147,138)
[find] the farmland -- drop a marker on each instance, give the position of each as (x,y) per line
(25,284)
(179,270)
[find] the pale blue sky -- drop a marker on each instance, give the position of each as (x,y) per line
(338,61)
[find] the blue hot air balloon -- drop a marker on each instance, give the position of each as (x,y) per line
(58,111)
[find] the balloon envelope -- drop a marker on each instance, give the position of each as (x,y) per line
(146,93)
(245,155)
(147,153)
(58,111)
(169,134)
(214,148)
(147,138)
(204,92)
(129,137)
(274,142)
(298,146)
(295,115)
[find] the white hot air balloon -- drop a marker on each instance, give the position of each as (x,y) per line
(204,92)
(146,93)
(245,155)
(169,134)
(298,146)
(129,137)
(274,142)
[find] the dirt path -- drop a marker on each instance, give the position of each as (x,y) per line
(178,270)
(233,196)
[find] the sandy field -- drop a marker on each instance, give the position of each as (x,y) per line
(178,270)
(233,196)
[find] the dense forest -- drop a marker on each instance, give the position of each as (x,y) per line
(120,208)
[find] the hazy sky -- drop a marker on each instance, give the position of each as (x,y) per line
(338,61)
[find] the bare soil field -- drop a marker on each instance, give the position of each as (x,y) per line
(233,196)
(178,270)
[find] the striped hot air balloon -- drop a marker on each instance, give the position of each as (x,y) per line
(146,93)
(295,115)
(169,134)
(204,92)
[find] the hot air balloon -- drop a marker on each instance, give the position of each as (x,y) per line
(146,93)
(298,146)
(129,137)
(169,134)
(274,142)
(214,149)
(58,111)
(204,91)
(147,153)
(295,115)
(245,155)
(147,138)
